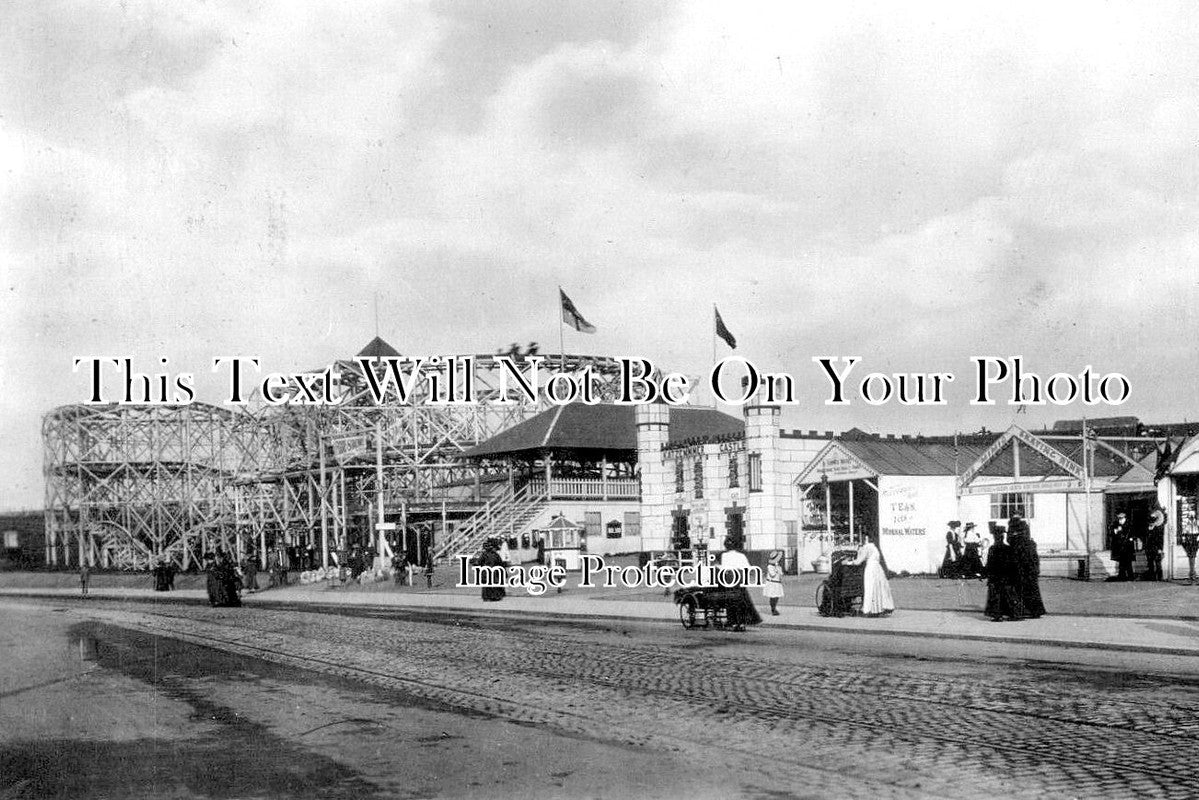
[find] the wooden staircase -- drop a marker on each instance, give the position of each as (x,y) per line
(504,516)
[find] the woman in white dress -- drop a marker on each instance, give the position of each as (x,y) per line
(876,591)
(741,611)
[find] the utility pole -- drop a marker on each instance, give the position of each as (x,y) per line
(1086,488)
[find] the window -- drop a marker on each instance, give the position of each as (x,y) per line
(680,533)
(632,523)
(792,531)
(678,476)
(699,477)
(734,472)
(593,523)
(11,541)
(734,523)
(755,472)
(1010,504)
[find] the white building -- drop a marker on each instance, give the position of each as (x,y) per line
(654,478)
(697,490)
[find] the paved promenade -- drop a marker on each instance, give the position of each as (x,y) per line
(1066,626)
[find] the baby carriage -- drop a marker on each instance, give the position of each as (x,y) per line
(840,594)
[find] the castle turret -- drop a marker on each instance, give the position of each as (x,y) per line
(657,488)
(769,486)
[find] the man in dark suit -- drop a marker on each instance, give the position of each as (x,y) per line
(1155,545)
(1124,547)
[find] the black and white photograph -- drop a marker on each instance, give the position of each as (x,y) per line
(598,399)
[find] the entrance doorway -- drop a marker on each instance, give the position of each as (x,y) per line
(1137,505)
(852,506)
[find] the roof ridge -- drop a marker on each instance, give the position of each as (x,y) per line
(549,430)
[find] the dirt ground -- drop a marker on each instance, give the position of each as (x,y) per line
(93,710)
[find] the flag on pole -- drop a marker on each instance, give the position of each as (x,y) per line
(723,332)
(572,317)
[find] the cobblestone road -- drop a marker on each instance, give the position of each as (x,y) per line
(868,726)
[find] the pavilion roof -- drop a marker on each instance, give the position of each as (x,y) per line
(607,428)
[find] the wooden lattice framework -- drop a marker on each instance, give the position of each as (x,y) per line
(127,484)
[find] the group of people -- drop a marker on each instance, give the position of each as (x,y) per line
(402,570)
(877,600)
(963,552)
(278,565)
(1013,572)
(224,583)
(1125,542)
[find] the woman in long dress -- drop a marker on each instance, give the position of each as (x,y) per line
(741,611)
(971,565)
(490,557)
(953,551)
(1003,599)
(876,591)
(227,582)
(1027,567)
(212,580)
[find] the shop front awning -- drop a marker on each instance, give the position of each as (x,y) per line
(1138,479)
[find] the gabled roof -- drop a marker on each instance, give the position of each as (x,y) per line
(608,428)
(1139,474)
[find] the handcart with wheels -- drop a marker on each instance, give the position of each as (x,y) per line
(840,594)
(705,606)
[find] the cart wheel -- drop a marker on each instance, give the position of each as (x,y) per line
(822,599)
(687,612)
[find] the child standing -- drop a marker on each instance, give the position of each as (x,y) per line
(772,589)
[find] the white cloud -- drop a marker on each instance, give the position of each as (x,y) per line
(915,182)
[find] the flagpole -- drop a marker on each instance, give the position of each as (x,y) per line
(713,364)
(1086,483)
(561,335)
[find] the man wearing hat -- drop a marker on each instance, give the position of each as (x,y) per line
(1124,548)
(1155,543)
(772,588)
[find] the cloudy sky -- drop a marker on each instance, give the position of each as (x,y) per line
(912,184)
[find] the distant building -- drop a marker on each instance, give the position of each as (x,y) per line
(22,539)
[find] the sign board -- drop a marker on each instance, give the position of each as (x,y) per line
(385,526)
(838,465)
(1051,485)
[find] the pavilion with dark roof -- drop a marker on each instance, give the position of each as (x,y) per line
(590,451)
